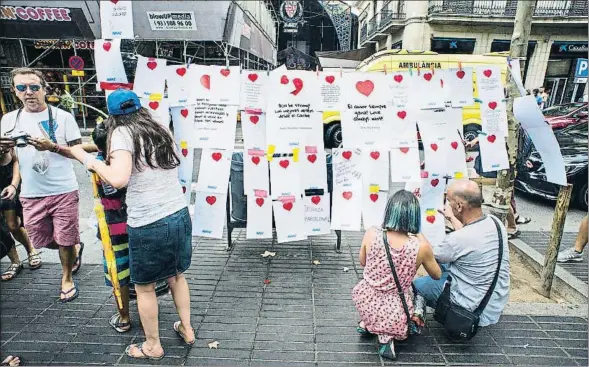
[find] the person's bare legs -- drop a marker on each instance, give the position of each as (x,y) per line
(511,225)
(66,256)
(125,299)
(148,313)
(14,259)
(181,296)
(18,232)
(581,241)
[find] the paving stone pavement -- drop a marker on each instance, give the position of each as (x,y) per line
(304,316)
(539,242)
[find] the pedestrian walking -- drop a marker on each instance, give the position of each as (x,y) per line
(49,192)
(141,155)
(384,305)
(575,253)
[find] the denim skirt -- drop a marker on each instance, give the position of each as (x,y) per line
(161,249)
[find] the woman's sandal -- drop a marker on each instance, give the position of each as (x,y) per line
(180,334)
(11,272)
(34,261)
(143,355)
(121,327)
(522,220)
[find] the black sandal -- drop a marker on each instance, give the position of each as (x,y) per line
(121,327)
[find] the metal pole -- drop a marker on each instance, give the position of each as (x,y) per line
(82,109)
(22,51)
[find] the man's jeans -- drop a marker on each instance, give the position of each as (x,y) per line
(431,289)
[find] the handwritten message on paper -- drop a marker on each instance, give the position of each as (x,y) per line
(493,152)
(215,125)
(400,85)
(494,117)
(116,19)
(330,91)
(317,218)
(347,172)
(404,127)
(253,89)
(367,125)
(458,85)
(489,83)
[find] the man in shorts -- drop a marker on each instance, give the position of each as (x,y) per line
(49,191)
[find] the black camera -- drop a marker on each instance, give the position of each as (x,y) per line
(20,138)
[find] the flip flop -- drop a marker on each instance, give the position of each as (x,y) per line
(12,271)
(177,330)
(35,257)
(121,327)
(72,297)
(78,259)
(511,236)
(522,220)
(143,355)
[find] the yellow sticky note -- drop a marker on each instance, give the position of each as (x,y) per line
(295,154)
(431,212)
(270,152)
(183,144)
(374,189)
(458,175)
(155,97)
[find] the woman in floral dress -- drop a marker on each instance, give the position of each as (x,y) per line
(376,298)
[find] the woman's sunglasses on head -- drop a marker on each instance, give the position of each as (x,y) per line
(32,87)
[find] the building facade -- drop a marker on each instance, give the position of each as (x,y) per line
(557,44)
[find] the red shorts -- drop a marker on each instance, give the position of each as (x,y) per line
(52,218)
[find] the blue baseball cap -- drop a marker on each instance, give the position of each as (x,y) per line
(122,102)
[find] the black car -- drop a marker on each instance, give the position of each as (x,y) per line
(531,177)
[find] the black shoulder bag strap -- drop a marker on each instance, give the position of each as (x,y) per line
(397,283)
(487,296)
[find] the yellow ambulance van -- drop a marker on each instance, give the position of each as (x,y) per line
(403,60)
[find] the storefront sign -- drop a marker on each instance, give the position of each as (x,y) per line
(29,13)
(582,70)
(171,20)
(569,47)
(64,44)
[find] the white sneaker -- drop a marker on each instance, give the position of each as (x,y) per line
(569,255)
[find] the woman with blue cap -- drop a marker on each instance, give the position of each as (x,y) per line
(141,155)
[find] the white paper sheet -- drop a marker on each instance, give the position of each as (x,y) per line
(215,125)
(255,171)
(109,62)
(289,217)
(209,215)
(317,218)
(405,164)
(213,173)
(181,81)
(375,168)
(285,176)
(225,85)
(347,208)
(373,206)
(253,89)
(404,127)
(150,76)
(489,83)
(493,152)
(433,227)
(253,127)
(400,85)
(329,84)
(116,19)
(347,173)
(259,217)
(434,123)
(160,110)
(186,168)
(432,192)
(183,123)
(459,85)
(436,153)
(456,164)
(313,169)
(514,68)
(428,89)
(494,117)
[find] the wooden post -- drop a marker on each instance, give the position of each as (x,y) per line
(562,207)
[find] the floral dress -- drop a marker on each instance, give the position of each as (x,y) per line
(376,296)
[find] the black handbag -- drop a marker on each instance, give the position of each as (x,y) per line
(459,323)
(411,327)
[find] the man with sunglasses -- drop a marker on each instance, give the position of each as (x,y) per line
(49,189)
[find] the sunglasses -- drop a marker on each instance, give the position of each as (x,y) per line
(32,87)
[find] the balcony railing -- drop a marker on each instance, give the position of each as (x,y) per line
(507,8)
(363,33)
(390,12)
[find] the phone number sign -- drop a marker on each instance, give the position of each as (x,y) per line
(171,20)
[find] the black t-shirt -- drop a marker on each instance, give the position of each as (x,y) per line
(5,175)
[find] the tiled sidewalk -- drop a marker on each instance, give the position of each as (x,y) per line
(304,316)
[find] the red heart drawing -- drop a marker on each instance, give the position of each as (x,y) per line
(284,80)
(435,182)
(402,114)
(256,160)
(431,218)
(312,158)
(225,72)
(151,64)
(330,79)
(284,164)
(366,87)
(375,155)
(114,1)
(181,71)
(287,206)
(492,105)
(454,145)
(254,119)
(154,105)
(211,200)
(347,154)
(424,174)
(316,200)
(427,76)
(217,156)
(184,112)
(491,138)
(184,152)
(260,201)
(252,77)
(460,74)
(184,189)
(374,197)
(404,150)
(347,195)
(298,83)
(398,78)
(434,146)
(488,73)
(106,46)
(205,80)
